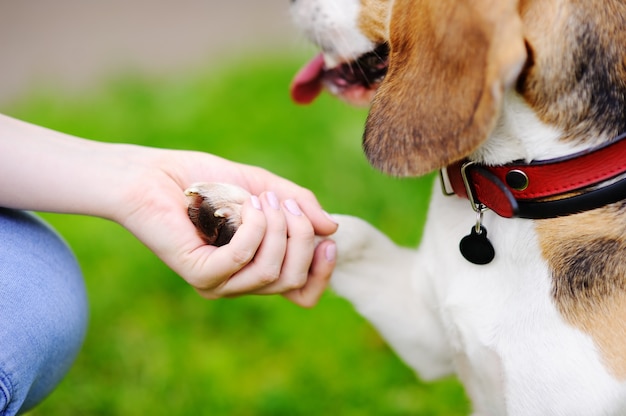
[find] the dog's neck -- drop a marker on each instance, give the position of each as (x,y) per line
(520,135)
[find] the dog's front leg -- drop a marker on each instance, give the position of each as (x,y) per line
(388,285)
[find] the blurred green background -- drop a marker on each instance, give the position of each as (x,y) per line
(154,346)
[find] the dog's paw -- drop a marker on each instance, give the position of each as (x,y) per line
(215,210)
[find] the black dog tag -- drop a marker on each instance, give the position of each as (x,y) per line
(476,247)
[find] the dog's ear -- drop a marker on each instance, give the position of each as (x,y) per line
(450,61)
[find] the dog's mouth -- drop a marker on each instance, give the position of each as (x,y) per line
(355,81)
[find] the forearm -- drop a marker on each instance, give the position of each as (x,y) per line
(44,170)
(141,188)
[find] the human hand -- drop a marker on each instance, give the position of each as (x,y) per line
(142,189)
(273,251)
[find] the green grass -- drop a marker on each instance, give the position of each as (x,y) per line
(155,347)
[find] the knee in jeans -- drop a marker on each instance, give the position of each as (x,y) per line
(44,308)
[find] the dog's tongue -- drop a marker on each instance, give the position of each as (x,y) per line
(307,84)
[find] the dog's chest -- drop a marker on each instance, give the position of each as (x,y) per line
(500,319)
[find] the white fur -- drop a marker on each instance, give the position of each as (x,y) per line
(332,25)
(495,326)
(520,135)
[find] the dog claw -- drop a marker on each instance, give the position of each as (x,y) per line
(222,213)
(215,210)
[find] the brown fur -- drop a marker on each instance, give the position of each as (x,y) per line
(373,19)
(449,64)
(577,81)
(586,254)
(450,61)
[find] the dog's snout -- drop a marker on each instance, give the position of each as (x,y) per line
(333,26)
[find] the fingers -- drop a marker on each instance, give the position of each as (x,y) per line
(261,274)
(323,224)
(300,246)
(319,275)
(283,260)
(222,263)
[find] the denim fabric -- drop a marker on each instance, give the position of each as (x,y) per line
(43,310)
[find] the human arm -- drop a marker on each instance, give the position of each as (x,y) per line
(141,188)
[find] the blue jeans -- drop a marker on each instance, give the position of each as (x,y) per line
(43,310)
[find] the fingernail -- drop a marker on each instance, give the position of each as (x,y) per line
(255,202)
(330,217)
(273,200)
(292,207)
(331,252)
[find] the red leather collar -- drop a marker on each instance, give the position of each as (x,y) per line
(544,189)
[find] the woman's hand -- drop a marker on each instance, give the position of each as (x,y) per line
(142,188)
(274,250)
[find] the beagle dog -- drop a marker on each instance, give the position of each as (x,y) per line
(519,283)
